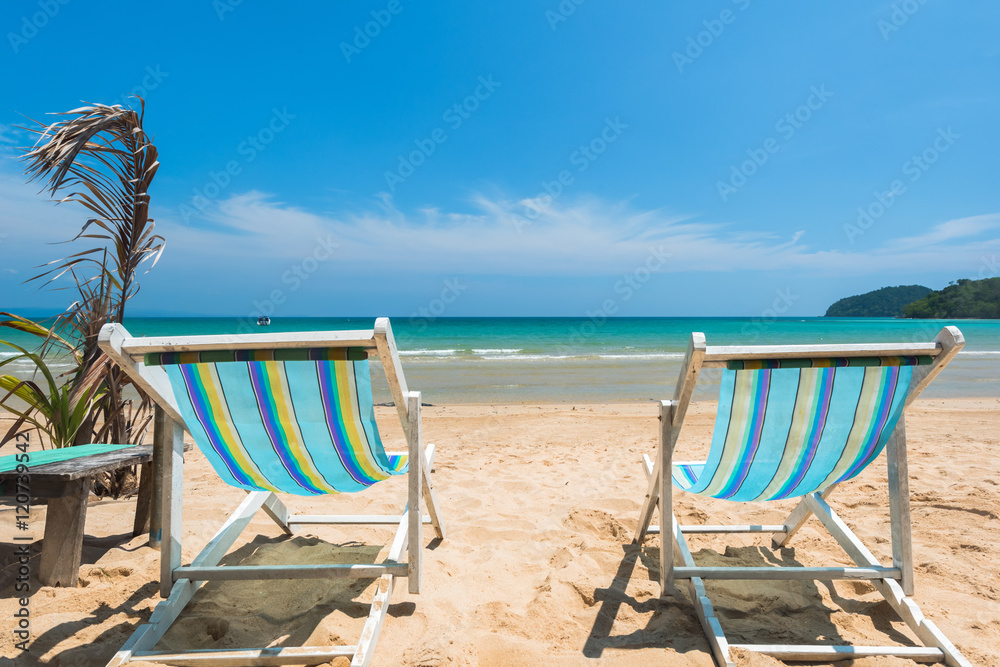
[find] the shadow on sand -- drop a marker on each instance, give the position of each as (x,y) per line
(751,612)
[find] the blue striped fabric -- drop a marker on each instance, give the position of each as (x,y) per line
(300,427)
(786,432)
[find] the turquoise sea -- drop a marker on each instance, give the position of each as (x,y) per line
(544,360)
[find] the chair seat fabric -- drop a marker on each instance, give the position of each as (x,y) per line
(300,427)
(786,432)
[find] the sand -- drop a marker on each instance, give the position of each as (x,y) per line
(540,503)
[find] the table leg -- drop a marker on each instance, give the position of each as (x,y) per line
(62,545)
(143,500)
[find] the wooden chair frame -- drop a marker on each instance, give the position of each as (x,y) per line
(178,583)
(895,583)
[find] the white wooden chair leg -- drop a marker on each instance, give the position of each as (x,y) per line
(666,499)
(171,473)
(277,510)
(428,488)
(899,505)
(699,598)
(415,478)
(648,504)
(380,604)
(798,518)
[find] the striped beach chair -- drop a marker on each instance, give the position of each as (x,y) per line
(795,422)
(275,413)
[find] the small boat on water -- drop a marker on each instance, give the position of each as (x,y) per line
(263,321)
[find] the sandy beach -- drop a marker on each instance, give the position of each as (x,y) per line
(540,502)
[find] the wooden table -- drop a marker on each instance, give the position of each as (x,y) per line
(67,485)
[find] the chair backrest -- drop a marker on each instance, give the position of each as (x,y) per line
(291,413)
(785,431)
(295,421)
(799,419)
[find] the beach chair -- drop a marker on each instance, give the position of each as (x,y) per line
(797,421)
(276,413)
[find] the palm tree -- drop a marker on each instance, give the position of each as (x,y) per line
(100,156)
(104,151)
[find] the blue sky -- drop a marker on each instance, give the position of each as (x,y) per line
(525,158)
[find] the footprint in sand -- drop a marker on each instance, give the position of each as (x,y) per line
(597,522)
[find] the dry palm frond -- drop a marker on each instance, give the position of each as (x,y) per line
(107,161)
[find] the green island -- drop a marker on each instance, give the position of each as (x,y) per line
(885,302)
(964,298)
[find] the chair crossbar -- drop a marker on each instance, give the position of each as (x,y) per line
(255,657)
(808,652)
(348,519)
(655,529)
(716,356)
(138,347)
(243,572)
(782,573)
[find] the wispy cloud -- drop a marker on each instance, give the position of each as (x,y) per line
(570,237)
(585,237)
(962,228)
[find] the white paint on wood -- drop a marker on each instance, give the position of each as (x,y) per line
(385,343)
(349,519)
(809,652)
(798,518)
(171,474)
(152,380)
(723,353)
(252,572)
(899,505)
(277,510)
(137,347)
(415,487)
(266,657)
(430,498)
(787,573)
(950,342)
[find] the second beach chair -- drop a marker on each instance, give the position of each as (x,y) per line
(276,413)
(797,421)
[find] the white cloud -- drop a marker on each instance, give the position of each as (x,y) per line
(949,231)
(585,237)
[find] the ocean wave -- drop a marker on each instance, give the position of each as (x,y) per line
(515,354)
(427,353)
(979,353)
(650,355)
